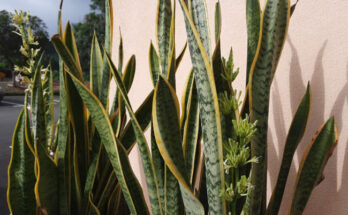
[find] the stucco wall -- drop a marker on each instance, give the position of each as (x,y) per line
(316,50)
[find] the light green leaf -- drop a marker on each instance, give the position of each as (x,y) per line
(106,76)
(217,21)
(62,142)
(209,107)
(96,65)
(164,20)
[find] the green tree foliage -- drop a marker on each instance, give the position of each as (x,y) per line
(10,43)
(93,21)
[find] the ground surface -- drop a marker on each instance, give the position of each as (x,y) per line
(9,110)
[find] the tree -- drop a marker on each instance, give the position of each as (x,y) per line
(93,21)
(10,43)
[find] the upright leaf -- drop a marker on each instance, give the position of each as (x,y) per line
(191,132)
(165,117)
(21,178)
(217,21)
(154,62)
(105,78)
(149,170)
(253,17)
(117,154)
(296,132)
(209,109)
(312,165)
(96,66)
(164,19)
(128,75)
(78,114)
(275,20)
(37,109)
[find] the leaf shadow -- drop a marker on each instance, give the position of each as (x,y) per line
(317,117)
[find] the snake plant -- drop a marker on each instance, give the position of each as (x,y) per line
(207,156)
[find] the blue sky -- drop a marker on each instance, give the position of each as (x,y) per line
(47,10)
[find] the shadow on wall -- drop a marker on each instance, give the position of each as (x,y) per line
(316,118)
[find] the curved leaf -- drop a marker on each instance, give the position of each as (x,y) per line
(209,110)
(165,118)
(117,155)
(253,17)
(191,132)
(312,165)
(274,25)
(149,170)
(21,178)
(154,64)
(296,132)
(128,75)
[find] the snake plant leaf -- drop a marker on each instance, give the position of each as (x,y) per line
(96,65)
(61,153)
(107,191)
(143,116)
(28,133)
(217,21)
(275,22)
(91,174)
(209,112)
(191,132)
(60,26)
(128,75)
(163,27)
(199,13)
(21,178)
(312,164)
(109,26)
(149,170)
(117,155)
(185,98)
(253,18)
(172,195)
(165,118)
(218,68)
(160,168)
(93,210)
(120,54)
(154,62)
(49,103)
(172,67)
(38,112)
(106,76)
(46,187)
(293,7)
(296,132)
(181,55)
(78,114)
(70,42)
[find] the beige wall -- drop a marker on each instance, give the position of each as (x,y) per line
(316,50)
